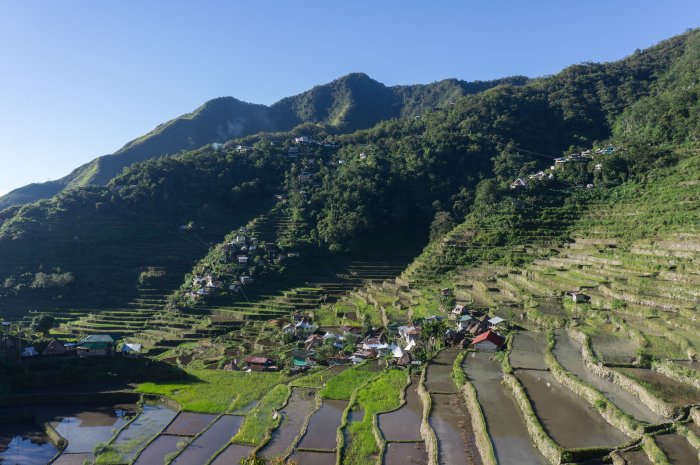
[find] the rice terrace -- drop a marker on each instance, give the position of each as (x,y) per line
(487,272)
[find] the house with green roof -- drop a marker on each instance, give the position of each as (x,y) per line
(96,344)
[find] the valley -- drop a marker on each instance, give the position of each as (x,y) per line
(424,291)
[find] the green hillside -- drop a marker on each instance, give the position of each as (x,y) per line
(88,246)
(347,104)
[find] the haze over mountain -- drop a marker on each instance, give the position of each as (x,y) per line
(349,103)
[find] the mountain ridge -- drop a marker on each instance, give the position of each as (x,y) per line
(352,102)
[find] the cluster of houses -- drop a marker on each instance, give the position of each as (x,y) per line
(92,345)
(476,329)
(584,156)
(242,251)
(399,343)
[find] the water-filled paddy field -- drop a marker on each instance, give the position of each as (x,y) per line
(510,438)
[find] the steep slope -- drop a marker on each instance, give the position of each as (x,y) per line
(346,104)
(400,175)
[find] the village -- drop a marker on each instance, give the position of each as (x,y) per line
(434,371)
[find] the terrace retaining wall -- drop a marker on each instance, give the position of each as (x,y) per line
(652,402)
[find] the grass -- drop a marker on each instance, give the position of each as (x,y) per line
(342,386)
(263,419)
(216,391)
(381,395)
(314,380)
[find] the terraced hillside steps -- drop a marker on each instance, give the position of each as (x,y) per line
(140,313)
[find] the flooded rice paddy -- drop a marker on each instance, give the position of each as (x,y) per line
(564,415)
(299,407)
(405,453)
(449,416)
(157,450)
(24,443)
(83,426)
(451,422)
(677,449)
(209,442)
(528,351)
(636,457)
(150,421)
(568,353)
(189,423)
(312,458)
(438,377)
(72,459)
(321,432)
(404,424)
(232,455)
(509,435)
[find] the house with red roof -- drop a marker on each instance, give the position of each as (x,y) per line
(488,341)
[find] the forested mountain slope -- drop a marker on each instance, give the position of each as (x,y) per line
(347,104)
(92,244)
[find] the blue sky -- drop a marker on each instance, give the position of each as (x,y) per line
(81,77)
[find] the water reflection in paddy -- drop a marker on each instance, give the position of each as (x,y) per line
(83,426)
(404,424)
(321,432)
(677,449)
(156,451)
(209,442)
(528,351)
(568,353)
(405,453)
(509,435)
(300,406)
(24,443)
(564,415)
(313,458)
(232,455)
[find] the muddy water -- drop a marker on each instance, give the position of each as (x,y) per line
(439,375)
(312,458)
(24,444)
(147,425)
(300,406)
(189,423)
(673,391)
(568,353)
(156,451)
(83,426)
(321,432)
(451,422)
(564,415)
(404,424)
(636,457)
(511,441)
(232,455)
(528,351)
(405,453)
(209,442)
(677,449)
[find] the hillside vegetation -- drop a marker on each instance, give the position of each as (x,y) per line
(347,104)
(94,242)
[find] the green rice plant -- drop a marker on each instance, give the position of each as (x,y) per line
(264,418)
(215,391)
(342,386)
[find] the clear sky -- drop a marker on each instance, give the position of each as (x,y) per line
(79,78)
